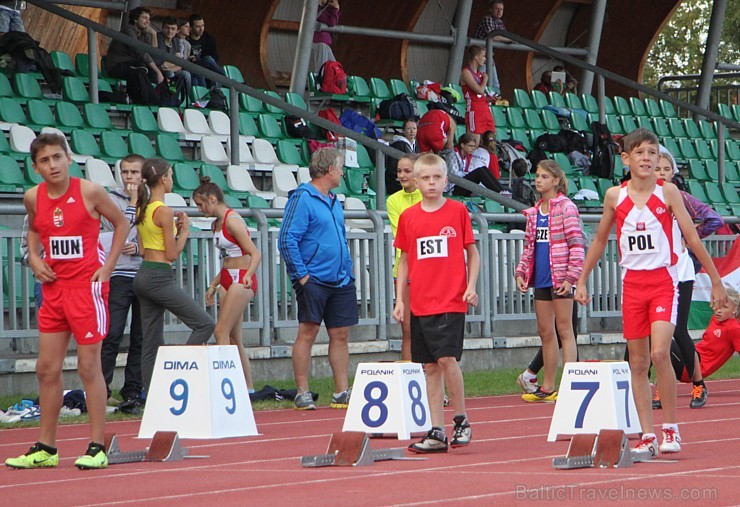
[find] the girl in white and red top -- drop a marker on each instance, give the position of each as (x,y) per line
(478,117)
(462,163)
(643,210)
(237,277)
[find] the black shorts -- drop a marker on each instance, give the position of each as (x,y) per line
(548,294)
(435,336)
(336,306)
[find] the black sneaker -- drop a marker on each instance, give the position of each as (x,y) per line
(132,406)
(462,432)
(434,441)
(656,402)
(698,397)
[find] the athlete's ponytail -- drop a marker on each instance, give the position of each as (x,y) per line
(152,171)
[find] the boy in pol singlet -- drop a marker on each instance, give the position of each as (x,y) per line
(646,211)
(64,218)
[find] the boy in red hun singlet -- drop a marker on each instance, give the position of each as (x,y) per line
(64,218)
(644,209)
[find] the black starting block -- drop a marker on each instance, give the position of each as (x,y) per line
(610,449)
(352,448)
(165,446)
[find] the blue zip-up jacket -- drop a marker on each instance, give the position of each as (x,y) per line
(313,240)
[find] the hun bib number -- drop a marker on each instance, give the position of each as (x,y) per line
(431,247)
(641,242)
(65,247)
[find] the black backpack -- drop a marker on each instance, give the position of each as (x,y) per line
(139,89)
(18,44)
(171,92)
(554,143)
(400,107)
(604,150)
(297,127)
(217,100)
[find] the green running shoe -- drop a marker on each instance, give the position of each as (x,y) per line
(95,457)
(34,458)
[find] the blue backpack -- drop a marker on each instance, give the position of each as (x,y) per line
(355,121)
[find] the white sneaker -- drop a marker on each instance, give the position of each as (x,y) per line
(671,441)
(527,386)
(647,446)
(69,412)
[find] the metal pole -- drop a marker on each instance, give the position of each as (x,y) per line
(710,55)
(489,55)
(457,51)
(99,4)
(234,125)
(380,195)
(92,55)
(388,34)
(598,8)
(303,47)
(601,89)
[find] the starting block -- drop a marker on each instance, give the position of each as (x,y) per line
(165,446)
(609,450)
(352,448)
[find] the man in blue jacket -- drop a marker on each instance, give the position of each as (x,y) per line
(313,246)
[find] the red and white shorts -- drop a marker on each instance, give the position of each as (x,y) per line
(232,276)
(79,307)
(648,296)
(478,119)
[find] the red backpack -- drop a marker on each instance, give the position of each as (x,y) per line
(330,115)
(332,78)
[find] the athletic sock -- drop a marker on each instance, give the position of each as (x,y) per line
(47,448)
(700,383)
(528,376)
(250,391)
(670,426)
(94,448)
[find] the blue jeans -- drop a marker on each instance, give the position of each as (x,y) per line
(10,21)
(209,63)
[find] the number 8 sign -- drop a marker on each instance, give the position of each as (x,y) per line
(200,392)
(388,398)
(592,397)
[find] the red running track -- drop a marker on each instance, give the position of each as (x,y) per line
(508,463)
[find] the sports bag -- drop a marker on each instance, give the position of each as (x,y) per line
(332,78)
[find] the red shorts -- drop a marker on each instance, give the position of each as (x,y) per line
(79,307)
(478,119)
(647,296)
(431,138)
(230,276)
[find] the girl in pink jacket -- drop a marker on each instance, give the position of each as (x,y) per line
(551,262)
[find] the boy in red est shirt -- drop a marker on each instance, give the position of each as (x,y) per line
(434,237)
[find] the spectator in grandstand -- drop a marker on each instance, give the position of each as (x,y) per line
(438,303)
(183,32)
(486,155)
(396,204)
(460,163)
(203,50)
(571,83)
(545,85)
(521,190)
(478,117)
(405,143)
(313,245)
(551,263)
(169,41)
(237,277)
(707,222)
(122,60)
(321,52)
(37,297)
(10,16)
(122,297)
(436,131)
(163,235)
(490,22)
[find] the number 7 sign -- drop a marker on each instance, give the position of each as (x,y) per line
(593,397)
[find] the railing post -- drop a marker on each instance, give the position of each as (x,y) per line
(380,190)
(92,55)
(264,275)
(234,125)
(486,292)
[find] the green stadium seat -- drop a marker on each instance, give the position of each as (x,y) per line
(712,169)
(628,123)
(588,102)
(521,136)
(296,99)
(96,117)
(732,150)
(357,185)
(638,107)
(660,127)
(82,65)
(697,170)
(565,165)
(84,143)
(358,89)
(62,61)
(273,110)
(232,201)
(550,121)
(39,113)
(730,193)
(533,120)
(604,184)
(556,99)
(609,106)
(539,99)
(697,190)
(68,116)
(112,145)
(573,102)
(315,93)
(168,147)
(289,153)
(514,116)
(673,147)
(644,122)
(217,177)
(572,188)
(185,179)
(12,112)
(141,145)
(233,72)
(652,108)
(75,170)
(622,106)
(702,149)
(499,117)
(732,172)
(706,129)
(491,206)
(247,126)
(714,194)
(251,105)
(612,123)
(26,86)
(269,128)
(12,179)
(724,110)
(363,158)
(73,90)
(143,120)
(579,122)
(691,128)
(379,89)
(669,111)
(30,174)
(398,86)
(522,99)
(677,127)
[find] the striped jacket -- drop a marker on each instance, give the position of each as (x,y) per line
(566,242)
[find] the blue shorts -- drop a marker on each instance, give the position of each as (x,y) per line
(335,306)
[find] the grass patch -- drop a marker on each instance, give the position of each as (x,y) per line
(477,383)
